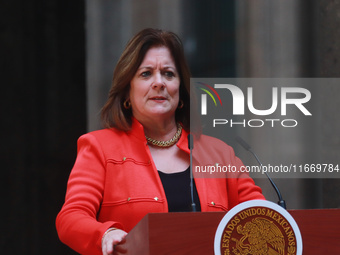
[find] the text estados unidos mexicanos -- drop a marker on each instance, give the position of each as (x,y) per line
(292,168)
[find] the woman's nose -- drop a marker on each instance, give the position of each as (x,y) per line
(158,81)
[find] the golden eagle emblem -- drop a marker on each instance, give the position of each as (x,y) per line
(259,237)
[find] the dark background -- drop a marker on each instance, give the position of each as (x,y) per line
(43,111)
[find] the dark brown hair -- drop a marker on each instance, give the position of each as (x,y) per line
(113,114)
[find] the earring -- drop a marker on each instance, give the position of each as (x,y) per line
(180,104)
(127,104)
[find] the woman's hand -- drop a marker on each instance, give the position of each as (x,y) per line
(111,238)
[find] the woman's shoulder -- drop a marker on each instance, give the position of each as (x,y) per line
(112,137)
(212,142)
(104,134)
(102,137)
(136,131)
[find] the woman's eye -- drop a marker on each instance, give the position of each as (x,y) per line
(169,74)
(146,74)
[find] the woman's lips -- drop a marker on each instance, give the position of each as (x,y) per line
(158,98)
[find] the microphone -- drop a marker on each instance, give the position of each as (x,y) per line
(191,146)
(247,147)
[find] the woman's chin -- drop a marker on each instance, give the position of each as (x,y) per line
(161,110)
(161,113)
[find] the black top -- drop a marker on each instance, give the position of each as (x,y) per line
(177,191)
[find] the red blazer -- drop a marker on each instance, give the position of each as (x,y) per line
(114,183)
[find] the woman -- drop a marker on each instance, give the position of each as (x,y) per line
(140,162)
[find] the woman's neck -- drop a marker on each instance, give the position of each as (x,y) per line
(161,130)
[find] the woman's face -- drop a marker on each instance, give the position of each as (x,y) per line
(154,90)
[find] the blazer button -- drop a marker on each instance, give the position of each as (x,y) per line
(156,198)
(124,158)
(129,198)
(213,203)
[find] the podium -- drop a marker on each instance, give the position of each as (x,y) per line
(194,233)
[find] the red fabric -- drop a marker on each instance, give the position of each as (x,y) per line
(114,183)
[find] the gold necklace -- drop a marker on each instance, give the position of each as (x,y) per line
(168,143)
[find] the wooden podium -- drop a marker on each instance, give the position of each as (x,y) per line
(194,233)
